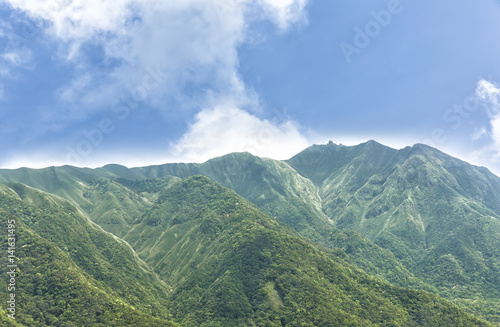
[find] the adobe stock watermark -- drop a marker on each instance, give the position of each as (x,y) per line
(364,36)
(11,268)
(93,138)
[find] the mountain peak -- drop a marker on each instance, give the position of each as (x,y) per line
(422,217)
(318,162)
(423,147)
(372,143)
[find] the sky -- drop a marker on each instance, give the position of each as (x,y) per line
(141,82)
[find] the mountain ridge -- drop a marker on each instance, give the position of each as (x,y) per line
(229,264)
(413,208)
(224,251)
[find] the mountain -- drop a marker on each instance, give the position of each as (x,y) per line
(382,182)
(114,202)
(415,217)
(72,273)
(439,215)
(95,191)
(227,263)
(230,263)
(281,191)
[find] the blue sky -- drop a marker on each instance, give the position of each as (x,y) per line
(142,82)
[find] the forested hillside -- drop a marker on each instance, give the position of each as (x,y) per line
(71,273)
(414,217)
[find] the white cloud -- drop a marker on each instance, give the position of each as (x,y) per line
(195,42)
(495,132)
(16,53)
(76,19)
(83,19)
(223,130)
(489,94)
(86,90)
(18,58)
(479,133)
(284,12)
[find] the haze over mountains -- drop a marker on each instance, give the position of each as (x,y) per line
(316,239)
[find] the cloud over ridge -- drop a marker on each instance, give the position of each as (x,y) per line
(489,94)
(193,43)
(223,129)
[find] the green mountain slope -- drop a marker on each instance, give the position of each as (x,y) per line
(419,203)
(437,214)
(96,192)
(415,217)
(270,184)
(278,189)
(231,264)
(71,271)
(114,202)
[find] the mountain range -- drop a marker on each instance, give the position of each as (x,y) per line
(337,235)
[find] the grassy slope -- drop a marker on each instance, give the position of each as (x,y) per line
(279,190)
(231,264)
(113,196)
(91,255)
(418,205)
(96,192)
(437,214)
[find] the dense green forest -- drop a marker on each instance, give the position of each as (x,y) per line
(317,239)
(71,273)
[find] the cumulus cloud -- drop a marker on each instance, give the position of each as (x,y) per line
(75,19)
(195,42)
(489,94)
(284,12)
(192,44)
(222,130)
